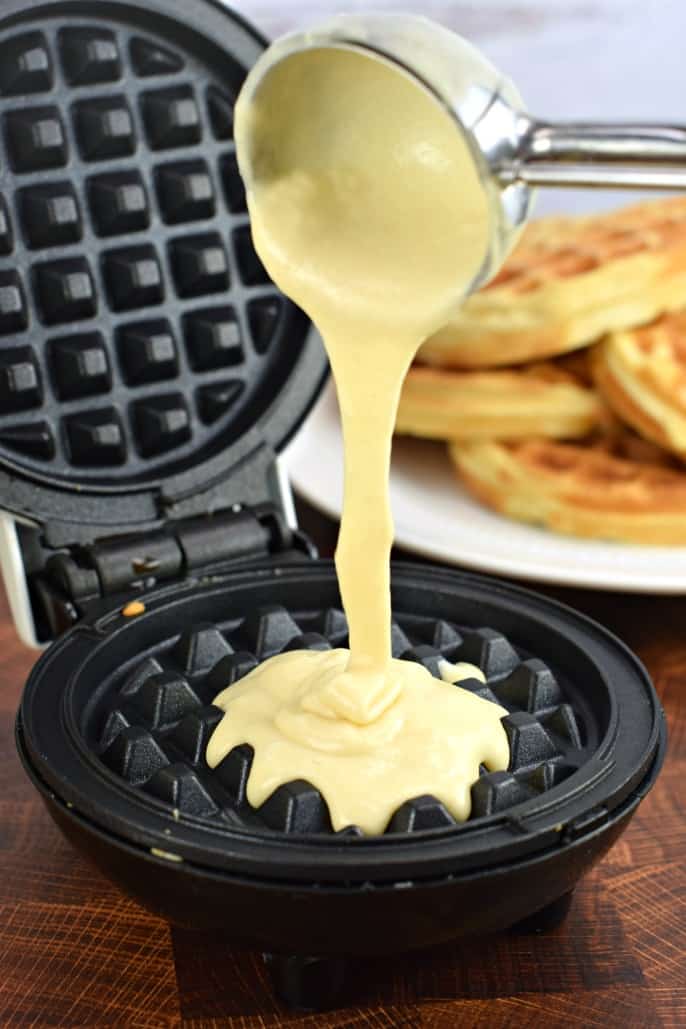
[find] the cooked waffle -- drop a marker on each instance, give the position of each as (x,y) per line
(569,281)
(642,374)
(503,404)
(616,487)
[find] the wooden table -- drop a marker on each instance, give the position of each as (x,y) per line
(74,951)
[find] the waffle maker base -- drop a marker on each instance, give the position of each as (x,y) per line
(116,715)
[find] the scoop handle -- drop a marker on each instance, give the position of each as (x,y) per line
(588,154)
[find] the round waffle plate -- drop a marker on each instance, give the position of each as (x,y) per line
(123,743)
(140,336)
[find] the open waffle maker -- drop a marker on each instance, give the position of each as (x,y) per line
(149,375)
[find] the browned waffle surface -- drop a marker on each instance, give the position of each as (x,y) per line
(542,399)
(568,282)
(612,487)
(564,248)
(642,375)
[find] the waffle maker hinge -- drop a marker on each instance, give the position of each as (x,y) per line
(75,577)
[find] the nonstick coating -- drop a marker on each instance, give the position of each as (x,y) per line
(152,725)
(143,348)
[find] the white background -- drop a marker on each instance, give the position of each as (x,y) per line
(571,59)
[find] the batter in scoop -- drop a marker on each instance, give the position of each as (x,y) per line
(367,210)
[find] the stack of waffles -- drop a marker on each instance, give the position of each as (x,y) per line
(560,388)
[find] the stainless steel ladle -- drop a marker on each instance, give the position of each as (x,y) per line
(513,151)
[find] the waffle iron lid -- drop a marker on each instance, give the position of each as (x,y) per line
(147,363)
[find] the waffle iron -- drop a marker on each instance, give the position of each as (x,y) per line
(149,375)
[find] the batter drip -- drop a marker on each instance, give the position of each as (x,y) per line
(367,210)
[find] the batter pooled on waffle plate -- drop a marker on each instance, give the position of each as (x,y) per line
(367,211)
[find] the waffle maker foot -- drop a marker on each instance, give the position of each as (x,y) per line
(548,918)
(307,983)
(320,982)
(301,982)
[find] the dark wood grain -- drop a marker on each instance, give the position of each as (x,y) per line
(75,952)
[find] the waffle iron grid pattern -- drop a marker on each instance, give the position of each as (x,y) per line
(153,730)
(135,316)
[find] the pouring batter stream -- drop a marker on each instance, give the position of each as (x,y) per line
(367,210)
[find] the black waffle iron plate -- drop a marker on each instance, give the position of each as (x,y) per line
(149,373)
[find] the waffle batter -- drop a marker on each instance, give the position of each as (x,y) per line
(367,211)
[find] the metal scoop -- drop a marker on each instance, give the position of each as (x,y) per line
(513,151)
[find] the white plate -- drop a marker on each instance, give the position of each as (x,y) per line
(435,517)
(610,59)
